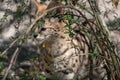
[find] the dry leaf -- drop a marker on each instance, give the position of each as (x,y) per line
(115,2)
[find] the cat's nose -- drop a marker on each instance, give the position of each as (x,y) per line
(35,35)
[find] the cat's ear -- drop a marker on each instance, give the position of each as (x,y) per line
(41,7)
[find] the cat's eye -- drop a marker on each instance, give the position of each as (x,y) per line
(42,29)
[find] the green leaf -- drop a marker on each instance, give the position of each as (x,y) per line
(39,24)
(24,39)
(69,17)
(82,5)
(42,78)
(93,55)
(74,19)
(1,66)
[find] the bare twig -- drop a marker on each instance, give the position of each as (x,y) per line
(10,46)
(11,62)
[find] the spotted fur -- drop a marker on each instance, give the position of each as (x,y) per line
(62,55)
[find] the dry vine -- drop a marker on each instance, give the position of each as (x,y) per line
(110,51)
